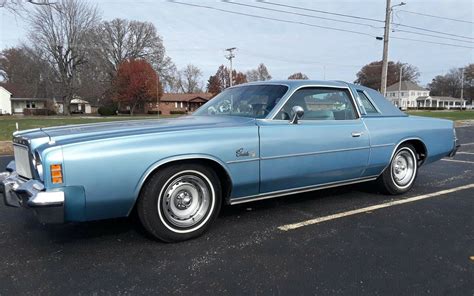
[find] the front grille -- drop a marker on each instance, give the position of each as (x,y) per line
(22,161)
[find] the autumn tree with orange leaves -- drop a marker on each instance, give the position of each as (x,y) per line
(136,84)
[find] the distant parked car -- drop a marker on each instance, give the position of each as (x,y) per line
(251,142)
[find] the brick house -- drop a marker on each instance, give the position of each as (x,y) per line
(175,102)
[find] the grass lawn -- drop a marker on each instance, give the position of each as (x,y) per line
(452,115)
(8,123)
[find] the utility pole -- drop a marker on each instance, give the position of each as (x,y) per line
(462,84)
(230,56)
(386,37)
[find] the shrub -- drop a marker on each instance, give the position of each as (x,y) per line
(107,111)
(39,111)
(177,112)
(153,112)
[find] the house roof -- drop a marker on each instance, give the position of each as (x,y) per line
(4,89)
(406,85)
(28,99)
(79,101)
(175,97)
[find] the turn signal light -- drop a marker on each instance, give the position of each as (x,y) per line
(56,173)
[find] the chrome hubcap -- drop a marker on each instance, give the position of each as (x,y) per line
(186,200)
(403,168)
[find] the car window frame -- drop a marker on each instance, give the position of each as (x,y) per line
(370,101)
(285,95)
(352,98)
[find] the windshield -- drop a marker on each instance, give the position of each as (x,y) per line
(254,101)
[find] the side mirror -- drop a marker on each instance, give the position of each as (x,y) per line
(298,113)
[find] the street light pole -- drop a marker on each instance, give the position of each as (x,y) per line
(230,56)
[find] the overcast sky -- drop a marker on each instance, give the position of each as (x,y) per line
(199,35)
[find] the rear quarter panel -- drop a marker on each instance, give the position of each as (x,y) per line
(386,133)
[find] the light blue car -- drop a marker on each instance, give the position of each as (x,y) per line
(251,142)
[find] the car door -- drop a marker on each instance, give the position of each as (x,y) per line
(329,143)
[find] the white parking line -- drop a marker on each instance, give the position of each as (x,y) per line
(462,152)
(371,208)
(467,144)
(456,160)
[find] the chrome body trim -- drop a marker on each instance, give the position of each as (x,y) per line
(273,194)
(310,153)
(382,145)
(315,153)
(19,192)
(242,160)
(280,104)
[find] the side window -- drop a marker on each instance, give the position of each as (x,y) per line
(320,104)
(368,106)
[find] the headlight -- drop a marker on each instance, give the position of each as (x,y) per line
(38,165)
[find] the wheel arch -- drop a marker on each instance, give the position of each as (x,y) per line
(217,165)
(418,144)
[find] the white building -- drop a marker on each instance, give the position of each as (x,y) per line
(5,102)
(405,95)
(443,102)
(76,106)
(20,104)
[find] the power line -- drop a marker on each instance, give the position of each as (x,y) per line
(336,20)
(432,31)
(299,14)
(432,42)
(273,19)
(438,17)
(363,18)
(307,24)
(321,11)
(431,35)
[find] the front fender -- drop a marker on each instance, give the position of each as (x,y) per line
(167,160)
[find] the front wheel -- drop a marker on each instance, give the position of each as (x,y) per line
(180,202)
(400,175)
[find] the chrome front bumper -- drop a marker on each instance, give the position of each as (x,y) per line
(19,192)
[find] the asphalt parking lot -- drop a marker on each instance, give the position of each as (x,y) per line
(415,248)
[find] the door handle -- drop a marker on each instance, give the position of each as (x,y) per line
(356,134)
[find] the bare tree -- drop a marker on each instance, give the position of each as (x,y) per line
(448,84)
(62,33)
(18,6)
(189,79)
(121,40)
(25,74)
(259,74)
(298,76)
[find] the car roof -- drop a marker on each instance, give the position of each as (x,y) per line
(299,82)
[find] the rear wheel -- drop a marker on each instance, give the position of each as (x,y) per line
(180,202)
(399,177)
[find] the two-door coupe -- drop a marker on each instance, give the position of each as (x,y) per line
(251,142)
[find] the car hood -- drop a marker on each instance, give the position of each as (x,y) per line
(94,131)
